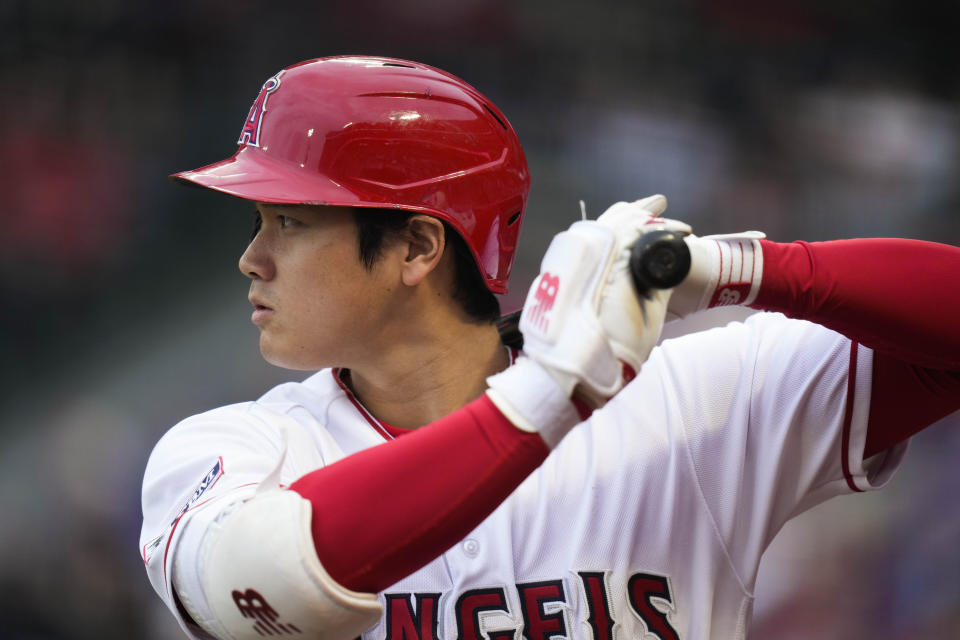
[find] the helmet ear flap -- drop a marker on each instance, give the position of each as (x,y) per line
(384,133)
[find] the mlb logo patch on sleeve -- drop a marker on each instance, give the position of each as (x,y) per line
(209,479)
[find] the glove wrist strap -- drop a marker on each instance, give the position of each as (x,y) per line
(725,270)
(533,400)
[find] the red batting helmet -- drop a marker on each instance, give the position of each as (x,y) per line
(385,133)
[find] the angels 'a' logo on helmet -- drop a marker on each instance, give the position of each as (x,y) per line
(251,127)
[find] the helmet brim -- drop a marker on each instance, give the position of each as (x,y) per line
(252,174)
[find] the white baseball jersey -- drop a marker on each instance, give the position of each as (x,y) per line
(647,521)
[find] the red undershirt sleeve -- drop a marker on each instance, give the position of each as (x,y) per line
(901,298)
(384,512)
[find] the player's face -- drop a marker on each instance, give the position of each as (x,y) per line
(315,303)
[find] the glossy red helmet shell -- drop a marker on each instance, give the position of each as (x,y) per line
(384,133)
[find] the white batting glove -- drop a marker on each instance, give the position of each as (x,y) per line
(724,270)
(583,320)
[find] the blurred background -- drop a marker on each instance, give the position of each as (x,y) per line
(125,311)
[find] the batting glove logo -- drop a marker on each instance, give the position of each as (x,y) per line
(544,296)
(729,295)
(250,135)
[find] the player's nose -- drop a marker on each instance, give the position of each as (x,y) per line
(255,263)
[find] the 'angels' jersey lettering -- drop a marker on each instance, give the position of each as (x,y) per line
(414,615)
(535,598)
(642,590)
(595,595)
(647,521)
(406,620)
(471,605)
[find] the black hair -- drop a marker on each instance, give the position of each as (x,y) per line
(470,290)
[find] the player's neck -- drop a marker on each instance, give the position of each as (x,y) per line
(433,372)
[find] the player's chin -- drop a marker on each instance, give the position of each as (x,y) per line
(288,356)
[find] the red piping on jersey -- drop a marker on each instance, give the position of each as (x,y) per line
(387,431)
(376,424)
(848,418)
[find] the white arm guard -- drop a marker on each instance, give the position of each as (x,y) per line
(260,576)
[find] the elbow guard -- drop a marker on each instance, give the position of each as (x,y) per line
(260,576)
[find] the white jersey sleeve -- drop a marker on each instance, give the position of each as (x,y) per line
(774,412)
(203,466)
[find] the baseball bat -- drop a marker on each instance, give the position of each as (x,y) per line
(658,260)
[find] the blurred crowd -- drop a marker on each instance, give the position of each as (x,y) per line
(124,311)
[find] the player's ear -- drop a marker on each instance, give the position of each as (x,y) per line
(424,241)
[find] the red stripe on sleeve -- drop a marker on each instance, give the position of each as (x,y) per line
(848,419)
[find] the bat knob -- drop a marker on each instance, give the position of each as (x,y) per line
(659,260)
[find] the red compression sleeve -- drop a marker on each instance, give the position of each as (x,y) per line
(382,513)
(901,298)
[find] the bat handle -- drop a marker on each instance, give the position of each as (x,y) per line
(659,260)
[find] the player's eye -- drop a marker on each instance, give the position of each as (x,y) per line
(286,222)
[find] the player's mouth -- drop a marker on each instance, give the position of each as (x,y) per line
(260,311)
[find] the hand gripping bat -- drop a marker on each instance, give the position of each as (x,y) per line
(658,260)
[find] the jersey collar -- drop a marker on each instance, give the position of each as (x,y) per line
(386,430)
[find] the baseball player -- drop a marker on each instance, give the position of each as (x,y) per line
(430,481)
